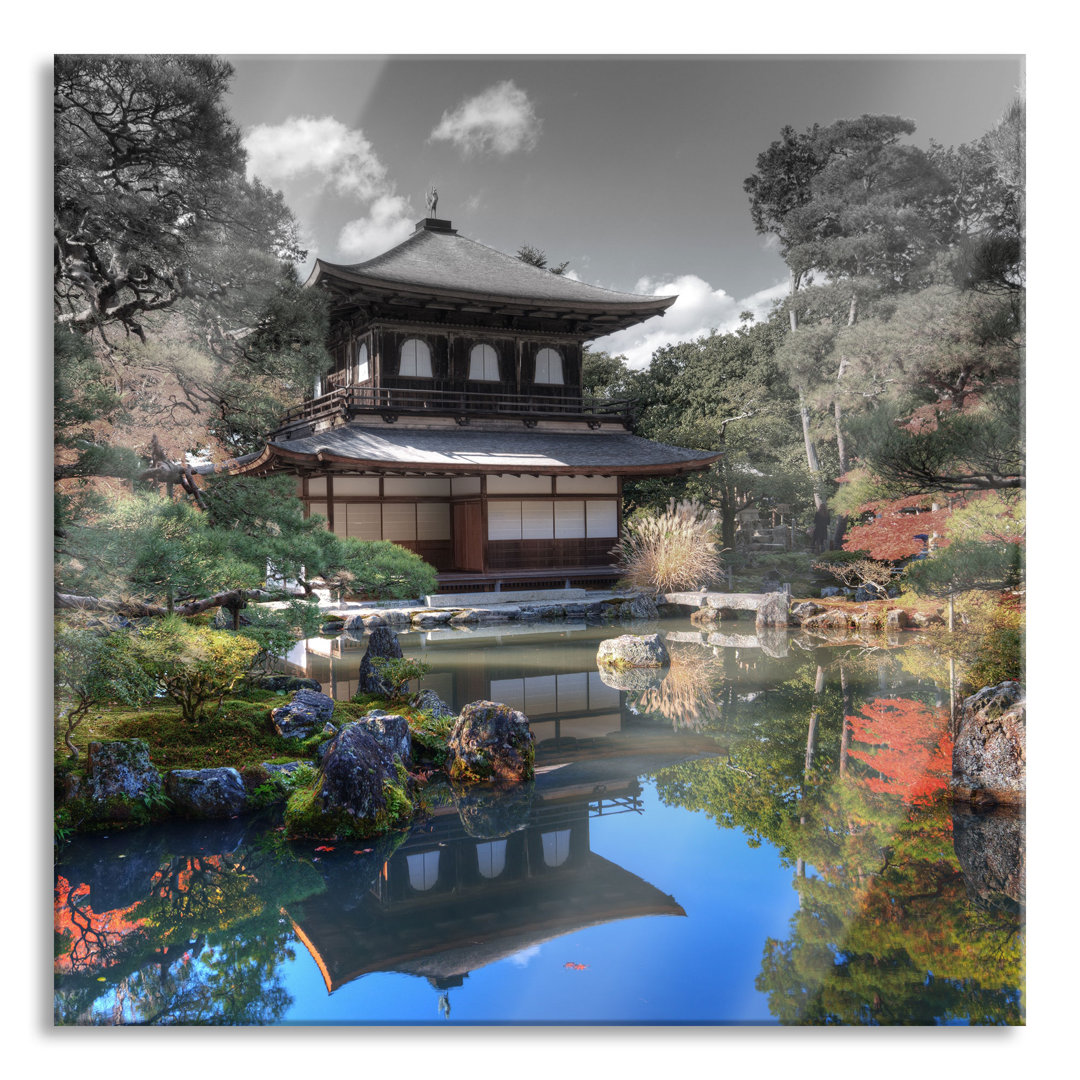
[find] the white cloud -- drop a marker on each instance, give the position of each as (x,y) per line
(389,221)
(522,958)
(699,309)
(500,120)
(314,154)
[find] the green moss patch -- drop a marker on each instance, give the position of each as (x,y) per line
(240,735)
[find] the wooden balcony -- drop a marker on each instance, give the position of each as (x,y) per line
(390,402)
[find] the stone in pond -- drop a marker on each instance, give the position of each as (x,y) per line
(383,644)
(359,763)
(206,793)
(491,740)
(633,651)
(990,752)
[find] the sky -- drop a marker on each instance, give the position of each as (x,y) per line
(630,168)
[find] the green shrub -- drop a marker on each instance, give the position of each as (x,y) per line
(193,665)
(381,570)
(672,550)
(94,670)
(399,671)
(430,736)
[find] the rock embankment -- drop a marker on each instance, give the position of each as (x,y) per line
(632,607)
(990,751)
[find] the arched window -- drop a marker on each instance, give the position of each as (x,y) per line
(423,870)
(361,363)
(484,364)
(556,847)
(549,367)
(415,359)
(491,858)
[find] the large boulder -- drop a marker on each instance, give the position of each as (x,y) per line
(706,616)
(641,607)
(360,764)
(429,701)
(206,793)
(383,644)
(773,610)
(834,621)
(392,733)
(425,620)
(633,680)
(633,651)
(306,713)
(868,622)
(491,740)
(120,769)
(492,811)
(804,610)
(990,752)
(869,591)
(223,619)
(991,849)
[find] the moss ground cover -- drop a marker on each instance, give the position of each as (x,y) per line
(241,734)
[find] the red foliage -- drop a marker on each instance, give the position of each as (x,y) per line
(93,936)
(907,744)
(891,535)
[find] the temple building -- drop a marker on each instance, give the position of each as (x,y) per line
(453,421)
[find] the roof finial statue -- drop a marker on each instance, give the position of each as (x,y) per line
(432,201)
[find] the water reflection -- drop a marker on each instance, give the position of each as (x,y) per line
(830,762)
(453,899)
(547,671)
(177,934)
(175,925)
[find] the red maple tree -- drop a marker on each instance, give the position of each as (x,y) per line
(908,746)
(891,533)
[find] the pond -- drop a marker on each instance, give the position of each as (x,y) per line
(759,837)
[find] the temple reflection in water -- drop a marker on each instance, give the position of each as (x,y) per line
(504,873)
(495,873)
(547,671)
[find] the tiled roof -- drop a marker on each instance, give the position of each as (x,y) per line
(463,450)
(441,259)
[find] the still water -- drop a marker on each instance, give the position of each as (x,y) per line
(758,837)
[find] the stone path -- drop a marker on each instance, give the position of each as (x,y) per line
(770,609)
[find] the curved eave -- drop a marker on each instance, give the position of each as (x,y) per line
(332,274)
(276,458)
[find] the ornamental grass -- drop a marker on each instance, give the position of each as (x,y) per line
(670,551)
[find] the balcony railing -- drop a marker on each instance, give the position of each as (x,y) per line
(393,401)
